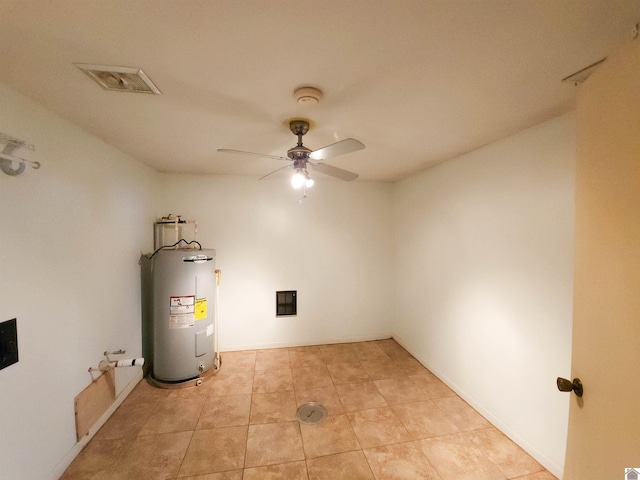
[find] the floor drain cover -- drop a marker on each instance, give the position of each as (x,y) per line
(311,413)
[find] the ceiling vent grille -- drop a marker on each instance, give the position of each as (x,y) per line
(581,75)
(120,79)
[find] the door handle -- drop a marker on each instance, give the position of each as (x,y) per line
(565,385)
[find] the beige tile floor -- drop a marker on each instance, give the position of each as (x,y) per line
(389,418)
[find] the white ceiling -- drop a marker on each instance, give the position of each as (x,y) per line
(417,81)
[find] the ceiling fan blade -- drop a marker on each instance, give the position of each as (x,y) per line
(334,171)
(276,170)
(240,152)
(347,145)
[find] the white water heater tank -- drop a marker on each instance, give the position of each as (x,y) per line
(183,310)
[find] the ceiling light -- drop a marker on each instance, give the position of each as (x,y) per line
(301,179)
(298,179)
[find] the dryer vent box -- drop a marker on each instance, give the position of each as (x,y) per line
(8,343)
(286,303)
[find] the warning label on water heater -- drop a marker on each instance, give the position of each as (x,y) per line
(201,309)
(182,312)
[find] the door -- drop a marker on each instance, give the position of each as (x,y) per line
(604,425)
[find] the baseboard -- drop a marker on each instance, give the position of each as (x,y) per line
(77,448)
(551,466)
(329,341)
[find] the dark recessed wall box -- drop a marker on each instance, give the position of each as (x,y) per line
(286,303)
(8,343)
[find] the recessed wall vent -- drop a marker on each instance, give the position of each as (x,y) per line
(120,79)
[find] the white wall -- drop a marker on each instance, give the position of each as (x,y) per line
(71,236)
(482,270)
(335,249)
(484,252)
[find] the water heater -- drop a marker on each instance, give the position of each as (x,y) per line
(181,286)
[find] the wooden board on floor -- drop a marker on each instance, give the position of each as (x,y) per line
(93,401)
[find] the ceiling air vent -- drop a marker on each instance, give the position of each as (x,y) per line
(121,79)
(581,75)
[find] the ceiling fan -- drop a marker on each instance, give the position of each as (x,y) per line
(301,156)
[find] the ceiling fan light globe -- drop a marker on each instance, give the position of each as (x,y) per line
(309,182)
(298,180)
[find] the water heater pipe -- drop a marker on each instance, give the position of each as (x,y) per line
(108,364)
(105,365)
(216,361)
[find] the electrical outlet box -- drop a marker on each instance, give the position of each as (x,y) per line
(8,343)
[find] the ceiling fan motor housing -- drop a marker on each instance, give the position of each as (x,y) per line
(299,153)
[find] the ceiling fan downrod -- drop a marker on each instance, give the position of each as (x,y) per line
(299,152)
